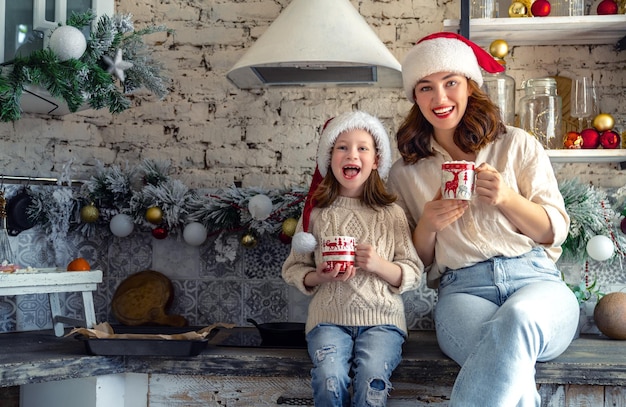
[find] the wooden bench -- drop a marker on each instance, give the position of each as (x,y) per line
(591,372)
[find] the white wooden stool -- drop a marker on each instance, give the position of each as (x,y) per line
(53,281)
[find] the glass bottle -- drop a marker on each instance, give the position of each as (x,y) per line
(567,8)
(483,9)
(540,111)
(500,87)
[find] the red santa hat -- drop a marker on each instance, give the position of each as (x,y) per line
(305,242)
(445,52)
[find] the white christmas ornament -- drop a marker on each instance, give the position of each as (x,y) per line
(600,248)
(195,233)
(117,66)
(260,207)
(67,42)
(121,225)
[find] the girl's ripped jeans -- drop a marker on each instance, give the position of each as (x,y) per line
(359,357)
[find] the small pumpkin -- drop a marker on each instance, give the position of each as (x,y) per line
(610,315)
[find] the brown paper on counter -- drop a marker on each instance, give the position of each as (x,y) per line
(105,331)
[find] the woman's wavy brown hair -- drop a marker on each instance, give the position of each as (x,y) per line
(374,192)
(481,124)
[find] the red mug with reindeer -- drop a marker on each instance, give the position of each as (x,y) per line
(457,180)
(338,250)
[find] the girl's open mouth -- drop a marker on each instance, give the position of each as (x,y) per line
(351,171)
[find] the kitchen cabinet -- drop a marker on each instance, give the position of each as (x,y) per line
(561,30)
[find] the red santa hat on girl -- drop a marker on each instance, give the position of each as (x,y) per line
(445,52)
(305,242)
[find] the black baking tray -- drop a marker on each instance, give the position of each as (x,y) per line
(147,347)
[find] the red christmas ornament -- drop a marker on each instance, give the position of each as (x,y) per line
(284,238)
(622,225)
(591,138)
(159,233)
(609,139)
(606,7)
(540,8)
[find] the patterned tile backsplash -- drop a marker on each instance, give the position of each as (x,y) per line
(219,281)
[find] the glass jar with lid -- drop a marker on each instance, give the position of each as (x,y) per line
(500,88)
(540,111)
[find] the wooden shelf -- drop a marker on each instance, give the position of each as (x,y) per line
(587,156)
(592,29)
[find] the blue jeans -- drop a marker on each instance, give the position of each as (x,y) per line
(498,318)
(368,354)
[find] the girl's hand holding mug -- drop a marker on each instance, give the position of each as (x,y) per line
(334,274)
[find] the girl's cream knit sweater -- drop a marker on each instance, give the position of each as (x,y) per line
(366,299)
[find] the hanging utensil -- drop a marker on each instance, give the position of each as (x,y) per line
(6,254)
(17,212)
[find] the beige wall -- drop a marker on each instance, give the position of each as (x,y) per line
(216,134)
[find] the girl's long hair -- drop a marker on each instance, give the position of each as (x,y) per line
(374,192)
(481,124)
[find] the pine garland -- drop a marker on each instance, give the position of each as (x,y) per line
(155,172)
(590,214)
(132,190)
(53,210)
(171,197)
(111,187)
(85,80)
(220,210)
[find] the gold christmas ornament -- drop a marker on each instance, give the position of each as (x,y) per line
(89,213)
(289,226)
(249,240)
(603,122)
(499,48)
(519,9)
(154,215)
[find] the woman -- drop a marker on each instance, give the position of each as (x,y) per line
(502,305)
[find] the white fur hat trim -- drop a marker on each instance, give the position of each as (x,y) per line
(439,55)
(350,121)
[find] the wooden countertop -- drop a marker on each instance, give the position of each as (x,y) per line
(32,357)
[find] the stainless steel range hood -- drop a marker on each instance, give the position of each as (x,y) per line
(318,43)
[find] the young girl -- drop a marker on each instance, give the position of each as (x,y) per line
(356,324)
(502,305)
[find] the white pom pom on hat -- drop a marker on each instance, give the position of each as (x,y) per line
(305,242)
(445,52)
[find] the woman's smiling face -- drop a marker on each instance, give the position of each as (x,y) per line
(352,160)
(442,98)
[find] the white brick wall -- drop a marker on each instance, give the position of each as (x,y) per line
(216,134)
